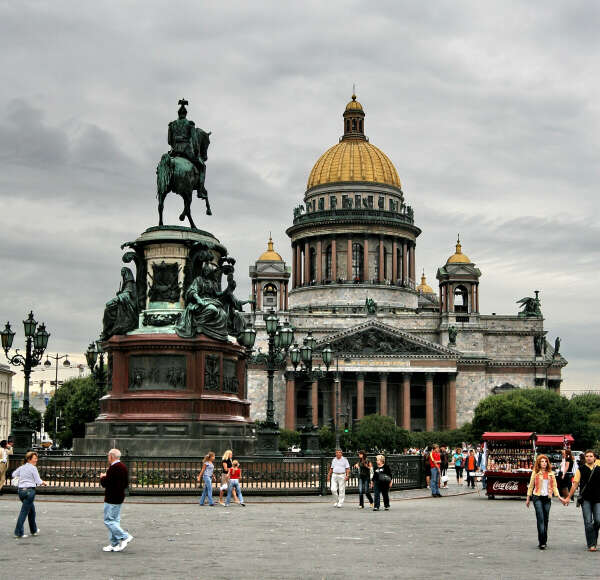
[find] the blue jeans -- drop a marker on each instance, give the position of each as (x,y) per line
(27,496)
(591,521)
(234,484)
(363,489)
(207,491)
(435,481)
(542,515)
(112,520)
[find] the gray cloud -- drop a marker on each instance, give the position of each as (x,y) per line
(487,110)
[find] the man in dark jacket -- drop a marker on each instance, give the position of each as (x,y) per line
(114,482)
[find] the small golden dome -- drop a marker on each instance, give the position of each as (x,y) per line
(354,105)
(353,160)
(424,287)
(270,255)
(458,257)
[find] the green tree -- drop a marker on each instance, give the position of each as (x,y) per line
(34,421)
(538,410)
(77,404)
(584,418)
(376,433)
(287,438)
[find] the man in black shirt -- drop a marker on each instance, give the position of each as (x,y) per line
(588,477)
(114,482)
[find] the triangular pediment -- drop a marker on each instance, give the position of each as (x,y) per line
(377,339)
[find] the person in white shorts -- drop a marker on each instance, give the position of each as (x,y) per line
(339,473)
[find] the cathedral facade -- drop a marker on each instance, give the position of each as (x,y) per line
(422,357)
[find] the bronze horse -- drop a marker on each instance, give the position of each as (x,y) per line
(181,176)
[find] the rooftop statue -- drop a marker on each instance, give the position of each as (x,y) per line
(530,306)
(183,169)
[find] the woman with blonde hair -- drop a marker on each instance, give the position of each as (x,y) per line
(226,465)
(542,486)
(382,481)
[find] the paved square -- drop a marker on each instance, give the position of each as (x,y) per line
(465,536)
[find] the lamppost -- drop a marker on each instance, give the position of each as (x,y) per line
(280,337)
(91,356)
(48,364)
(304,356)
(35,345)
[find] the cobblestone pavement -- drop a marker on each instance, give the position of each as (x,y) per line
(459,536)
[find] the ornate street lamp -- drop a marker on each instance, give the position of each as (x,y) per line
(304,356)
(280,337)
(94,351)
(48,364)
(36,341)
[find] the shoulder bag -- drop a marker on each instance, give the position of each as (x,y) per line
(580,496)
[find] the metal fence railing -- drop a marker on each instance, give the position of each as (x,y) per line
(275,475)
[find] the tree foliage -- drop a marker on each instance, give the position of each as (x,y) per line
(76,404)
(542,411)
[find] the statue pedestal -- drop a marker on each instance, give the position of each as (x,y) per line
(171,396)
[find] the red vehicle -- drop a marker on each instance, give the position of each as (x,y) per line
(509,461)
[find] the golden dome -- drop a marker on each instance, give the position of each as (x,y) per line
(270,255)
(353,160)
(458,257)
(354,105)
(424,287)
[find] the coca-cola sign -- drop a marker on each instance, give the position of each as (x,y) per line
(510,485)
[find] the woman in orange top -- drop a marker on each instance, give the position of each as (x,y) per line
(542,486)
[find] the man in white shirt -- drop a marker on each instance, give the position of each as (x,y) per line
(339,473)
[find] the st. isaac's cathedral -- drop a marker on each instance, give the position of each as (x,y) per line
(400,348)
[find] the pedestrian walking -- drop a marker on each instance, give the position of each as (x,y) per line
(565,475)
(27,479)
(427,467)
(226,466)
(365,469)
(588,477)
(206,475)
(434,464)
(458,465)
(339,473)
(382,481)
(235,474)
(443,466)
(542,486)
(471,468)
(115,481)
(6,451)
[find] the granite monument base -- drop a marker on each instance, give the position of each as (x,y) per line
(166,439)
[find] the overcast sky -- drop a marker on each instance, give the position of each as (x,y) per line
(489,111)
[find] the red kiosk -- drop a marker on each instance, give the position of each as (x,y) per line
(509,461)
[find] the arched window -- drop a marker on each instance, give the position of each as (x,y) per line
(354,124)
(269,296)
(312,266)
(461,299)
(347,125)
(360,126)
(357,262)
(328,258)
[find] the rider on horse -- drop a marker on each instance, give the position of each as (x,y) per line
(183,139)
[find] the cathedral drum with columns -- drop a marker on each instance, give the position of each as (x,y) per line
(400,349)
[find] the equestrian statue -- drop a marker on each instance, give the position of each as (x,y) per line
(183,169)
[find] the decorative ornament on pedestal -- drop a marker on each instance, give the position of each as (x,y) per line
(176,380)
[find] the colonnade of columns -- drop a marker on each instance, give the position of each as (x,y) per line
(447,296)
(402,259)
(354,383)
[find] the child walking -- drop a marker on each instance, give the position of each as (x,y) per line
(207,477)
(235,474)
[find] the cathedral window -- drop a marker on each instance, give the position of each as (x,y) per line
(328,258)
(461,299)
(313,264)
(269,296)
(332,202)
(357,262)
(357,201)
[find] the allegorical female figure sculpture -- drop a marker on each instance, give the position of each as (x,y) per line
(121,312)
